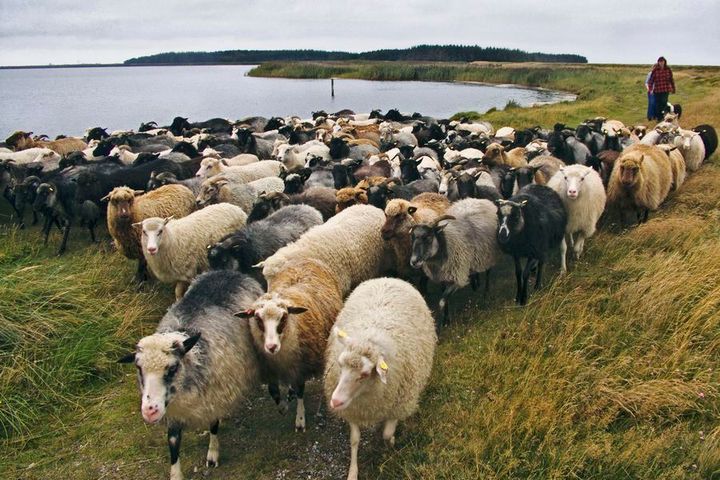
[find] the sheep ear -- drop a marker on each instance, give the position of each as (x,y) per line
(642,158)
(138,192)
(105,198)
(341,335)
(165,222)
(224,162)
(381,368)
(297,310)
(523,203)
(412,210)
(129,358)
(245,313)
(137,224)
(259,265)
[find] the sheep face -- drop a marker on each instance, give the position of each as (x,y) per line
(511,220)
(629,170)
(360,367)
(162,369)
(46,196)
(574,182)
(152,233)
(269,319)
(347,197)
(209,193)
(208,168)
(122,199)
(425,242)
(397,219)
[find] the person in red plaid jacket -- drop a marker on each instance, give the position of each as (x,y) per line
(661,85)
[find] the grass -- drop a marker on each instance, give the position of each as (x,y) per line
(610,372)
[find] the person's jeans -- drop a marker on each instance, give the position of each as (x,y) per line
(661,100)
(651,106)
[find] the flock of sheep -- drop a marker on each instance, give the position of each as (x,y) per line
(298,226)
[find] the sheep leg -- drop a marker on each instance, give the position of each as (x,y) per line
(525,280)
(35,218)
(91,227)
(444,304)
(180,289)
(579,245)
(141,272)
(475,281)
(486,292)
(174,437)
(389,432)
(538,275)
(518,278)
(645,215)
(563,255)
(300,412)
(354,444)
(46,229)
(274,390)
(423,284)
(213,454)
(66,234)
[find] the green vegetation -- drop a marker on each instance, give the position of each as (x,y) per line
(610,372)
(419,53)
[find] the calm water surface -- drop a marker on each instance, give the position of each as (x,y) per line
(70,100)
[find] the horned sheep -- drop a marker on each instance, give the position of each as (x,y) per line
(200,363)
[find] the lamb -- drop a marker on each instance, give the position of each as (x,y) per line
(677,164)
(401,215)
(582,192)
(692,148)
(290,325)
(640,180)
(321,198)
(379,358)
(495,155)
(258,240)
(350,243)
(530,224)
(200,363)
(176,250)
(454,248)
(127,206)
(219,189)
(242,173)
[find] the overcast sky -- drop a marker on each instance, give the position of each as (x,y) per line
(609,31)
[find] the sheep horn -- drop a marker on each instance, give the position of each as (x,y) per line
(106,197)
(441,218)
(138,192)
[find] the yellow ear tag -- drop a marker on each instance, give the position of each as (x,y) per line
(383,365)
(341,333)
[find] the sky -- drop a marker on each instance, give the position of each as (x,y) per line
(36,32)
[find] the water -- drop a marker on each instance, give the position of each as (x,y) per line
(70,100)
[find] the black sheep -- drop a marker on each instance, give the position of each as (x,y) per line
(709,138)
(529,225)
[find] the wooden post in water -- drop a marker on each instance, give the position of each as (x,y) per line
(332,87)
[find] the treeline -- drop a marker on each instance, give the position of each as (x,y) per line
(424,53)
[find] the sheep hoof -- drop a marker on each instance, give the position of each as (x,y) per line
(211,464)
(299,429)
(282,408)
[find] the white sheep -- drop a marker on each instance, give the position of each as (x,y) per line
(48,157)
(379,358)
(200,363)
(350,243)
(582,192)
(219,189)
(456,247)
(692,148)
(241,173)
(677,164)
(295,157)
(176,250)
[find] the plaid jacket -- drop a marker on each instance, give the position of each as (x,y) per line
(661,81)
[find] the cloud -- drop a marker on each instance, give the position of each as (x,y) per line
(609,31)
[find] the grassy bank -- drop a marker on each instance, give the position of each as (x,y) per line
(610,372)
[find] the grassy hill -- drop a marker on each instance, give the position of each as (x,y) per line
(610,372)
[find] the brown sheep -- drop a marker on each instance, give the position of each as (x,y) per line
(23,140)
(290,325)
(545,167)
(640,180)
(677,164)
(349,196)
(127,206)
(401,215)
(495,154)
